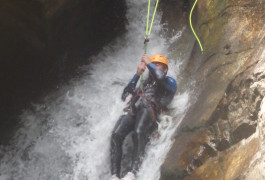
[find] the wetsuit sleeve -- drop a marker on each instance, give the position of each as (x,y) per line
(171,88)
(129,89)
(168,82)
(134,81)
(156,73)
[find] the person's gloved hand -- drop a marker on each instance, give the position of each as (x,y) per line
(127,90)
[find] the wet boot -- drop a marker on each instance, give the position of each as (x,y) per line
(129,176)
(114,177)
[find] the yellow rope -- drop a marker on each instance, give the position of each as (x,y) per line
(147,33)
(153,18)
(192,27)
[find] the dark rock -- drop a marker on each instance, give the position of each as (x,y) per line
(43,43)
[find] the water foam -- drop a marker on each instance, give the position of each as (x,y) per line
(68,135)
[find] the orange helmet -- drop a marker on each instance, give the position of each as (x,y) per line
(159,58)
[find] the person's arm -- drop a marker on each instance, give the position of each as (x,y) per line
(130,88)
(156,73)
(160,76)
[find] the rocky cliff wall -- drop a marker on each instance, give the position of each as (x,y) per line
(220,137)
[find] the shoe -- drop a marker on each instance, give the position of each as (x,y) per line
(129,176)
(114,177)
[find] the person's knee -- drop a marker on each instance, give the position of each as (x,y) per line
(139,131)
(143,126)
(115,135)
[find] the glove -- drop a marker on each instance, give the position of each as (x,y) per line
(127,90)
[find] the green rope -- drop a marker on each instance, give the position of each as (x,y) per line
(141,82)
(148,32)
(192,27)
(142,78)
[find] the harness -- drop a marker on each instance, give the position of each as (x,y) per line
(141,100)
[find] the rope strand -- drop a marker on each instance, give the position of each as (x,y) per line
(147,33)
(153,18)
(192,26)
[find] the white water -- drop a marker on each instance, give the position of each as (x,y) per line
(68,136)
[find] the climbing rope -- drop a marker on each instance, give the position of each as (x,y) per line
(148,32)
(149,29)
(192,26)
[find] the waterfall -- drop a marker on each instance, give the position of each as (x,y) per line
(67,136)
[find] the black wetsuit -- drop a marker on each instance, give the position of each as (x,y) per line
(141,116)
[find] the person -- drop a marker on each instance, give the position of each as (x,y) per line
(142,112)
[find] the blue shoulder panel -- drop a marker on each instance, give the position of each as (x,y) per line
(171,84)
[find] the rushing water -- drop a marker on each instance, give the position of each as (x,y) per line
(68,135)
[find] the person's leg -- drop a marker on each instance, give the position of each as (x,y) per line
(122,128)
(145,125)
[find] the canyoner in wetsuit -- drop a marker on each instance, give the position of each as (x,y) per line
(142,112)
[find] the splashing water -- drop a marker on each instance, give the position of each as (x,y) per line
(68,136)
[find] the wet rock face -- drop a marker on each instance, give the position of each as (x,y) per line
(256,169)
(44,41)
(223,26)
(218,138)
(201,152)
